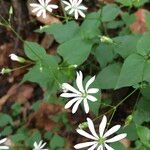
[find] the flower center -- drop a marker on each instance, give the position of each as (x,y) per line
(101,140)
(84,95)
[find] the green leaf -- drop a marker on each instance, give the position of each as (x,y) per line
(118,146)
(126,45)
(110,12)
(132,71)
(90,26)
(75,51)
(57,141)
(61,32)
(143,45)
(144,135)
(34,51)
(147,15)
(104,54)
(125,2)
(108,77)
(6,131)
(5,119)
(115,24)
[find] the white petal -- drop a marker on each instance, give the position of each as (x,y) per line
(35,144)
(116,138)
(70,88)
(44,14)
(108,147)
(3,140)
(92,91)
(81,13)
(41,2)
(47,2)
(102,126)
(91,127)
(76,15)
(69,95)
(82,145)
(91,98)
(100,147)
(93,147)
(67,8)
(49,9)
(71,11)
(53,6)
(40,12)
(43,145)
(82,7)
(36,5)
(71,102)
(79,2)
(85,134)
(4,147)
(86,105)
(36,9)
(76,105)
(67,3)
(112,130)
(79,81)
(89,83)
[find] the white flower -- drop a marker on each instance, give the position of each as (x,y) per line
(5,71)
(39,146)
(41,8)
(14,57)
(75,7)
(82,94)
(1,142)
(101,140)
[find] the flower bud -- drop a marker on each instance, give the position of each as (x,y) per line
(128,120)
(83,125)
(5,71)
(105,39)
(17,58)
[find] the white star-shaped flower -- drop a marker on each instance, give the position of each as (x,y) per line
(75,7)
(1,142)
(99,141)
(39,146)
(40,9)
(82,94)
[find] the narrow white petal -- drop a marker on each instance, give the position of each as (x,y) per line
(69,95)
(102,126)
(43,145)
(76,15)
(85,134)
(36,9)
(41,2)
(112,130)
(79,2)
(70,88)
(108,147)
(91,127)
(71,102)
(81,13)
(76,105)
(40,12)
(83,145)
(92,91)
(4,147)
(71,11)
(116,138)
(3,140)
(35,144)
(35,5)
(93,146)
(82,7)
(44,14)
(89,83)
(53,6)
(100,147)
(49,9)
(79,81)
(47,2)
(86,105)
(91,98)
(67,3)
(67,8)
(40,143)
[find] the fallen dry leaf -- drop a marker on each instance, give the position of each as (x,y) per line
(126,142)
(139,26)
(40,119)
